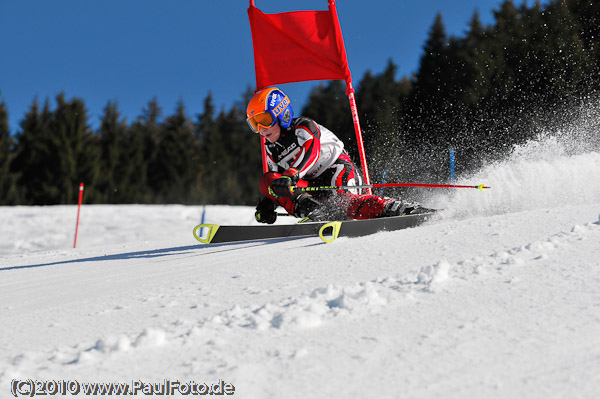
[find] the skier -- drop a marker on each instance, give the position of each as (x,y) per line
(301,153)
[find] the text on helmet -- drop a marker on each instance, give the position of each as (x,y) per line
(282,105)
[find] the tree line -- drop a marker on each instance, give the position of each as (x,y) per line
(479,94)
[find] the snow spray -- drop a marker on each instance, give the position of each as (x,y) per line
(560,168)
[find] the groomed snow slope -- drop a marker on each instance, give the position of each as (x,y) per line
(498,298)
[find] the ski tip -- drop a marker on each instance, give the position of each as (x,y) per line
(212,230)
(335,230)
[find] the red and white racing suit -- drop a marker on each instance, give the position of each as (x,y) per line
(320,159)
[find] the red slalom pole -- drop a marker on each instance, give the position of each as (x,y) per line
(78,211)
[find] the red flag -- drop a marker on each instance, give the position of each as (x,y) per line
(297,46)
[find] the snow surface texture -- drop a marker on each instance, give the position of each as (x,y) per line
(498,298)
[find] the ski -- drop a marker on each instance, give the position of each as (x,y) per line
(358,228)
(327,231)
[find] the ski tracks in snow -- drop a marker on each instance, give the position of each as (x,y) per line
(208,338)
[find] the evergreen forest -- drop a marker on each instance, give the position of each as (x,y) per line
(479,94)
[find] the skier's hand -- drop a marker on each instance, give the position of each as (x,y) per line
(265,211)
(283,187)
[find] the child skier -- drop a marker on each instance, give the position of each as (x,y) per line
(301,153)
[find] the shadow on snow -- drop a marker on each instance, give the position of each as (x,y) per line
(189,249)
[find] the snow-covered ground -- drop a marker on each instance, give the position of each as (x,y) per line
(497,298)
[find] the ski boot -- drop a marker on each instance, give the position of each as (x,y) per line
(308,208)
(400,208)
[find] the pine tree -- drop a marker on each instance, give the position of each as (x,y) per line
(213,153)
(230,155)
(8,189)
(144,139)
(245,166)
(507,37)
(568,64)
(175,167)
(56,150)
(75,154)
(431,85)
(32,154)
(382,101)
(116,157)
(428,110)
(475,82)
(218,157)
(429,101)
(588,14)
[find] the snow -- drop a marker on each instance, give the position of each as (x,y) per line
(499,297)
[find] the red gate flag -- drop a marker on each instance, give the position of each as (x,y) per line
(297,46)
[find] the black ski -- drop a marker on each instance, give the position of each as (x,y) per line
(358,228)
(328,231)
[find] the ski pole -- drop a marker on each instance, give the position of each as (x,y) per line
(321,188)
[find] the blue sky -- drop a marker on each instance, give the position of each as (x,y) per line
(131,51)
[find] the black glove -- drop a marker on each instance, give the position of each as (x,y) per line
(265,211)
(283,187)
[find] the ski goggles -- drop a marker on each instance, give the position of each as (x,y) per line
(264,120)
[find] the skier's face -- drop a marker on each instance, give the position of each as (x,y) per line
(271,133)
